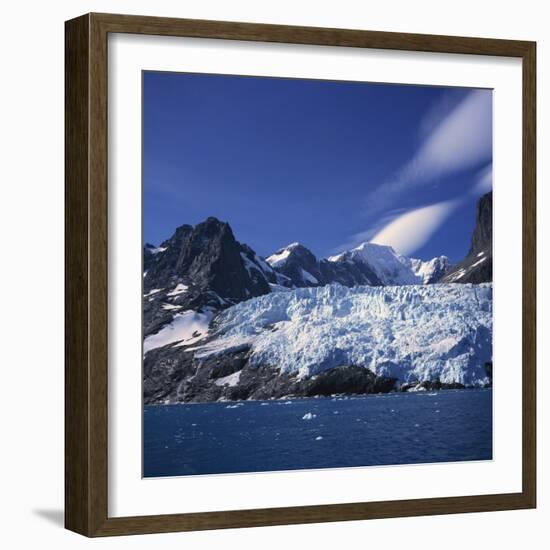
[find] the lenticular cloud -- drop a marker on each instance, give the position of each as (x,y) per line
(460,141)
(412,230)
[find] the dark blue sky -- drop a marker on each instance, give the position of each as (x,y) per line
(328,164)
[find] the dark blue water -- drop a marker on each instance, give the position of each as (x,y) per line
(255,436)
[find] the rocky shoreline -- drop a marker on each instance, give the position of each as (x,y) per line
(182,378)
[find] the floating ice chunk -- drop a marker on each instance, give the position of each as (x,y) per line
(309,416)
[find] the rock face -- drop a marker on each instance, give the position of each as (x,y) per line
(477,267)
(299,264)
(200,269)
(209,257)
(181,378)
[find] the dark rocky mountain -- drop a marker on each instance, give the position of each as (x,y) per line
(477,267)
(199,268)
(298,264)
(303,269)
(209,256)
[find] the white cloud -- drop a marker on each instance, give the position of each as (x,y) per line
(410,231)
(484,181)
(461,140)
(458,137)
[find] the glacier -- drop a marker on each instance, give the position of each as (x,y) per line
(410,333)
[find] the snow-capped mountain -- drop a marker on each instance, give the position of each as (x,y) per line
(368,264)
(477,267)
(391,268)
(311,341)
(298,264)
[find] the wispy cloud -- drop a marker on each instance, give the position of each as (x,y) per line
(456,136)
(412,230)
(368,234)
(461,140)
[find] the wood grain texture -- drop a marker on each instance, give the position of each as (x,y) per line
(77,387)
(529,277)
(86,358)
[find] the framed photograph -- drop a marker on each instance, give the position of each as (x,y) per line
(300,275)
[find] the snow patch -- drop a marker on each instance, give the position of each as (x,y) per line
(169,307)
(250,265)
(309,278)
(186,327)
(479,262)
(278,259)
(281,256)
(231,380)
(156,250)
(180,289)
(154,291)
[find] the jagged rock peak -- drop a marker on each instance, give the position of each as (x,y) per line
(477,267)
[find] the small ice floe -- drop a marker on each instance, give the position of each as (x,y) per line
(318,438)
(433,393)
(285,403)
(193,424)
(417,425)
(335,412)
(235,406)
(309,416)
(437,410)
(262,404)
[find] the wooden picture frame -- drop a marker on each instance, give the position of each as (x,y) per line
(86,414)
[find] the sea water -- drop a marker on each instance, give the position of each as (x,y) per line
(332,432)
